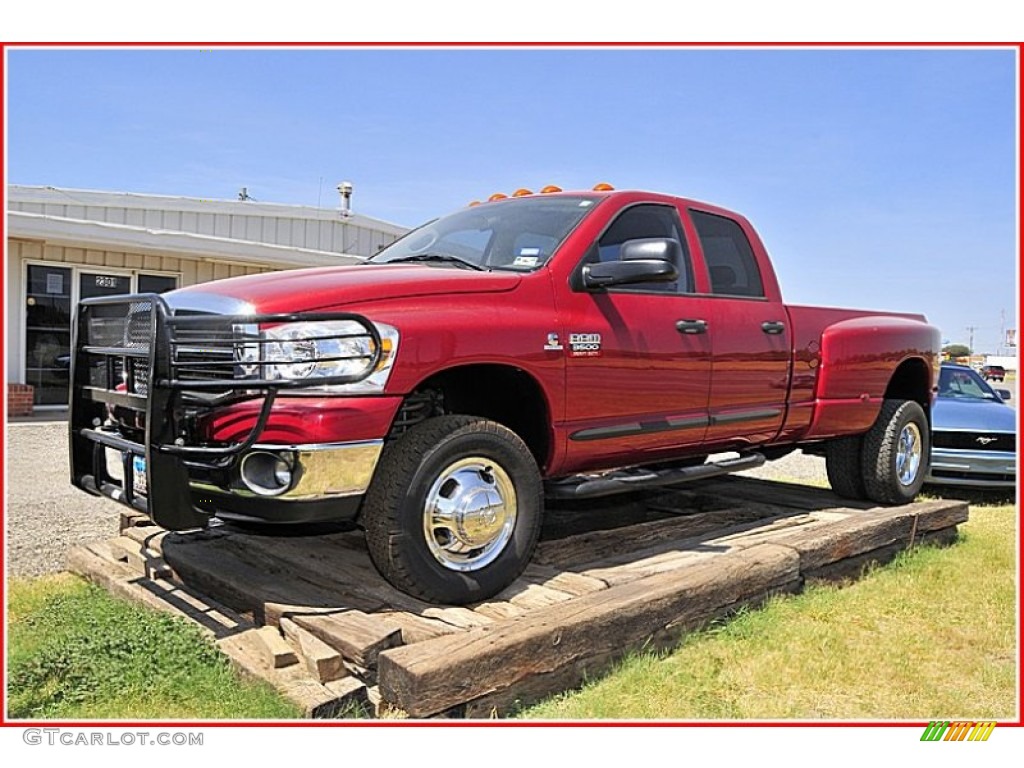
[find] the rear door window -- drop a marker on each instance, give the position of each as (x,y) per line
(731,264)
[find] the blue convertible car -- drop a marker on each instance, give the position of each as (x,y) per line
(974,433)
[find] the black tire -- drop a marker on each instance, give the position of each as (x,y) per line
(881,451)
(411,471)
(843,466)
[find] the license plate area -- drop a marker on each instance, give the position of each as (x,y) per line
(139,482)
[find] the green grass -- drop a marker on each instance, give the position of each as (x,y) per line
(74,652)
(931,635)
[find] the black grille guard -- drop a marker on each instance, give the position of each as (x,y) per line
(115,338)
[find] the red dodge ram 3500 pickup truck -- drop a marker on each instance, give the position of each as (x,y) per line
(562,344)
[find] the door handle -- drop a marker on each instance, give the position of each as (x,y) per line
(773,326)
(692,326)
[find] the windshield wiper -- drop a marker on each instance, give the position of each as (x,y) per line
(441,258)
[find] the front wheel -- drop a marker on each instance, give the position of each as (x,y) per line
(895,454)
(454,510)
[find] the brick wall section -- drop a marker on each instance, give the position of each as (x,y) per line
(19,399)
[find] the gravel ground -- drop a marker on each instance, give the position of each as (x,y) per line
(46,515)
(794,468)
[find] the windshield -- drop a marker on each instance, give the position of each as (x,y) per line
(964,384)
(518,234)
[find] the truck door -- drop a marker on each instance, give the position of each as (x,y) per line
(637,381)
(749,334)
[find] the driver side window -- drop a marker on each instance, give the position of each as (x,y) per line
(638,223)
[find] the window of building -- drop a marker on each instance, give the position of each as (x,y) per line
(157,283)
(730,259)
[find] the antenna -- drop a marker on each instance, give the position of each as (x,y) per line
(345,190)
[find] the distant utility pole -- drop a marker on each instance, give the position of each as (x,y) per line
(971,329)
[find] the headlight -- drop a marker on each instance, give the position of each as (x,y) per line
(318,350)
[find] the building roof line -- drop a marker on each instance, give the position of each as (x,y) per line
(122,237)
(23,193)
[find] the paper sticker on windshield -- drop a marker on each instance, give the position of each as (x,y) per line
(585,203)
(584,345)
(526,261)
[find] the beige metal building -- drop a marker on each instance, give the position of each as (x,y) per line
(67,244)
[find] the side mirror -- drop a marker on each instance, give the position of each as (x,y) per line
(651,248)
(646,260)
(1004,394)
(609,273)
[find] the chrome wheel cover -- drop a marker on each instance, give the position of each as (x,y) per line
(469,514)
(909,449)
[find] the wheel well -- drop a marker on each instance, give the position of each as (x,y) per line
(911,381)
(501,393)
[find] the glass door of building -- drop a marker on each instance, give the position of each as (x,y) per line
(50,295)
(48,333)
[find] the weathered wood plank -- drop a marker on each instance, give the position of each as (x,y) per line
(277,650)
(939,514)
(333,562)
(568,640)
(132,519)
(94,562)
(355,635)
(679,553)
(142,559)
(416,629)
(245,587)
(625,572)
(461,618)
(869,530)
(274,570)
(851,568)
(564,581)
(323,662)
(531,596)
(315,699)
(595,546)
(499,610)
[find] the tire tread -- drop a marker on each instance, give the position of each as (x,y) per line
(398,464)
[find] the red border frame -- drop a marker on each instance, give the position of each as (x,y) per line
(5,723)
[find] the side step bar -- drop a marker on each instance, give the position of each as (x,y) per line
(625,480)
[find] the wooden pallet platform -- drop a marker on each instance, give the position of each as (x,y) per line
(310,614)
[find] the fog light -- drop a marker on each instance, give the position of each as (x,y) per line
(265,473)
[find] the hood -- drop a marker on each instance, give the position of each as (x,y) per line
(303,290)
(979,415)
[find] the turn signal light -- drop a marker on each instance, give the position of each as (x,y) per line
(549,189)
(522,192)
(603,187)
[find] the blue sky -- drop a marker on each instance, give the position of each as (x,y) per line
(877,178)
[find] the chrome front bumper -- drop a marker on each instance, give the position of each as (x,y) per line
(987,469)
(320,471)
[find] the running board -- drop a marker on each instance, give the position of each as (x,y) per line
(625,480)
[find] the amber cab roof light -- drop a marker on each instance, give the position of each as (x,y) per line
(545,190)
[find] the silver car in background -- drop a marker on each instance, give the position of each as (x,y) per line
(974,433)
